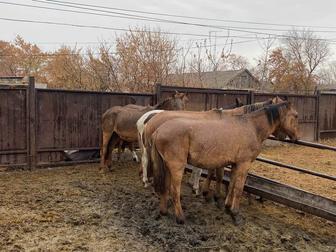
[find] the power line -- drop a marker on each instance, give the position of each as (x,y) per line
(239,29)
(194,17)
(114,53)
(129,16)
(100,27)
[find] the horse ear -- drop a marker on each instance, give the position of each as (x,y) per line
(175,94)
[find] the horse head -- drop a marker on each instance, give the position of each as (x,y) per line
(176,101)
(278,133)
(289,122)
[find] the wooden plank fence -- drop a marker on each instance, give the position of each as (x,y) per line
(38,125)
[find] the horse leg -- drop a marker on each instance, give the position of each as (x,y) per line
(196,179)
(238,178)
(120,149)
(206,186)
(192,176)
(141,145)
(112,143)
(177,171)
(219,194)
(144,163)
(134,155)
(104,148)
(228,199)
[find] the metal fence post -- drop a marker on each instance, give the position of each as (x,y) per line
(317,115)
(32,123)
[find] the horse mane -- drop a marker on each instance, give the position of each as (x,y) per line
(256,106)
(273,112)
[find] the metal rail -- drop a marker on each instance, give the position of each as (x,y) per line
(286,195)
(295,168)
(306,143)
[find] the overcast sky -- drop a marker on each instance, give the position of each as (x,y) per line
(319,15)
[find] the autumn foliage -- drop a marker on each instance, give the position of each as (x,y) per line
(139,59)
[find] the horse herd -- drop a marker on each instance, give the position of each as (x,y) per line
(171,137)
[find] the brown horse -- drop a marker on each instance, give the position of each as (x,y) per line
(213,144)
(215,114)
(144,120)
(119,124)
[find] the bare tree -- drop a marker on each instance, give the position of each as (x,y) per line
(216,59)
(145,58)
(262,68)
(327,76)
(103,71)
(308,52)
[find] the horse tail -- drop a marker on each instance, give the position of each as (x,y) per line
(149,165)
(159,170)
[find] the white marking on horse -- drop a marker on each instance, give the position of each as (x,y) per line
(144,157)
(195,178)
(135,156)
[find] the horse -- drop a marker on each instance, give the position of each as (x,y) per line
(142,122)
(146,128)
(119,124)
(212,144)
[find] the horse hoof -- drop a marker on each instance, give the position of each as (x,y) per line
(163,213)
(227,209)
(180,221)
(238,220)
(209,197)
(220,203)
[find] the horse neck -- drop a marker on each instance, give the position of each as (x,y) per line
(245,109)
(262,125)
(165,105)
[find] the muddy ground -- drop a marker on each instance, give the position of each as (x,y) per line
(79,208)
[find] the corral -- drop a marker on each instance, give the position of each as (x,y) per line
(80,208)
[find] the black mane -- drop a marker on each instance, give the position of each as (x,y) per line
(254,107)
(273,112)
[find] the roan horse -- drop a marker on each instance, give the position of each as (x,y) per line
(150,126)
(213,144)
(119,124)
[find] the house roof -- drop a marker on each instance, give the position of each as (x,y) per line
(224,77)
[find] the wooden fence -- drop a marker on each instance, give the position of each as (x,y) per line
(38,125)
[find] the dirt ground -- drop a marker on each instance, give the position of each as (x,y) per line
(322,161)
(79,208)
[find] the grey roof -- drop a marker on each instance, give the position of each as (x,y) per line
(211,78)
